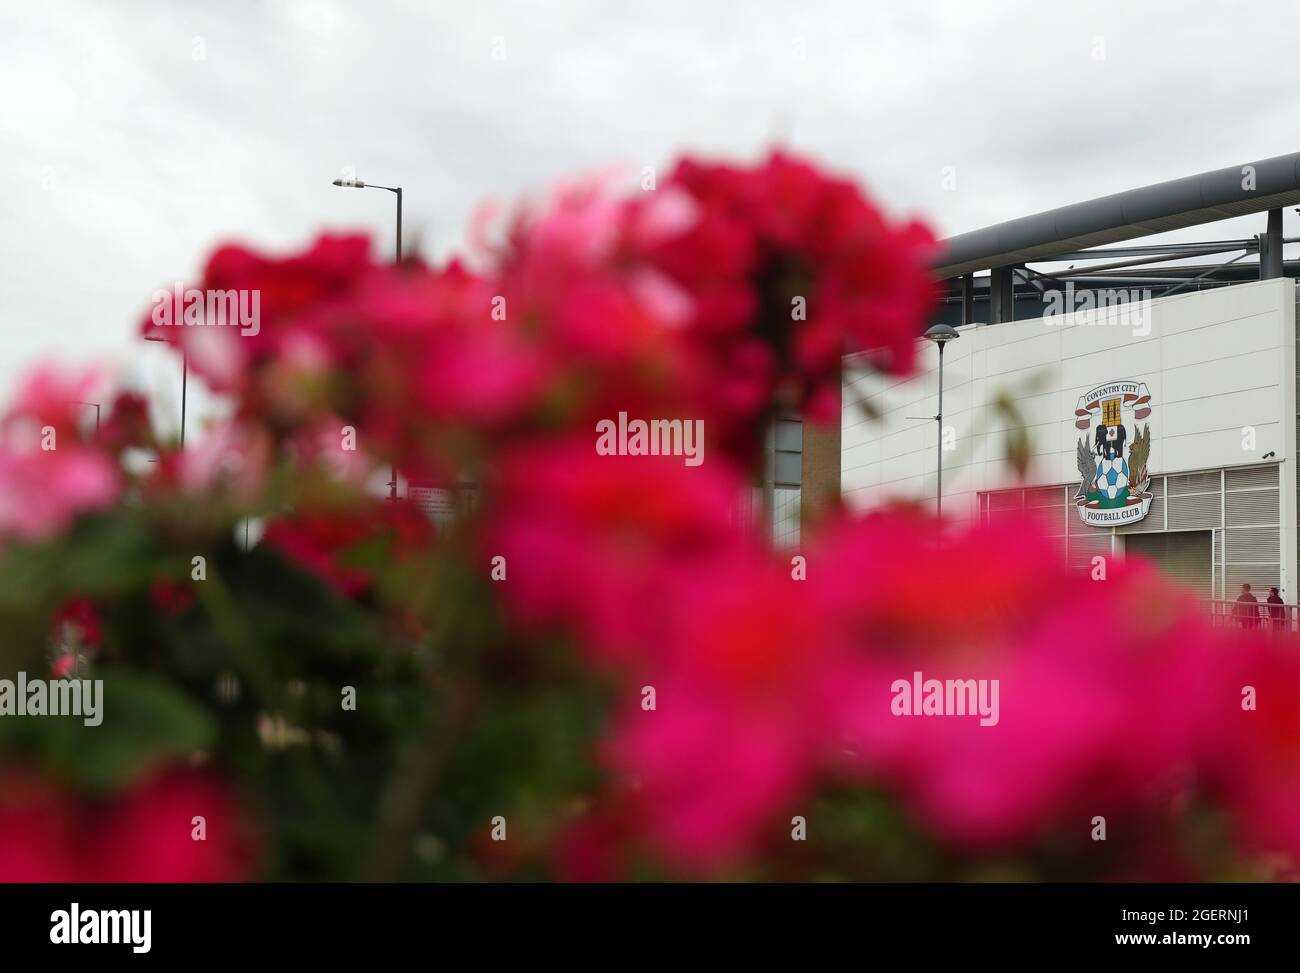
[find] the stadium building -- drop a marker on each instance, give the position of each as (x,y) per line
(1135,398)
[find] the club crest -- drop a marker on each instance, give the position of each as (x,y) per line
(1113,459)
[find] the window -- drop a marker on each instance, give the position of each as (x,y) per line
(787,480)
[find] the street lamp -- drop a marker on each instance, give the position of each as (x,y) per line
(940,334)
(397,190)
(185,378)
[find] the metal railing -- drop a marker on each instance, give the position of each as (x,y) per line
(1260,616)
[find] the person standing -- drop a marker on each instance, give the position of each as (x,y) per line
(1247,610)
(1276,611)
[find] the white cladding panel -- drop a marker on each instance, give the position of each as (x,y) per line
(1215,362)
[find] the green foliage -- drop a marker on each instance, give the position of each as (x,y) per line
(146,723)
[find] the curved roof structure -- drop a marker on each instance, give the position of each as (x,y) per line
(1205,198)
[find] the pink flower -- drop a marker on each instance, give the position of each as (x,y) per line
(1085,670)
(51,396)
(1256,763)
(766,686)
(749,705)
(63,665)
(42,492)
(234,455)
(595,544)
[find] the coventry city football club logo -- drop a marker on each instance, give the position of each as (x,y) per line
(1114,486)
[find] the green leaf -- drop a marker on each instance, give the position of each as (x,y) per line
(144,724)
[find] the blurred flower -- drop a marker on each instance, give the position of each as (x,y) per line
(748,708)
(1256,766)
(292,292)
(41,492)
(1085,668)
(729,292)
(599,543)
(48,475)
(144,835)
(171,597)
(50,396)
(234,455)
(79,615)
(326,542)
(766,238)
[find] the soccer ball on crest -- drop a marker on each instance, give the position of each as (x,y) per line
(1112,478)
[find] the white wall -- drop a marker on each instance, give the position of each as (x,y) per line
(1214,361)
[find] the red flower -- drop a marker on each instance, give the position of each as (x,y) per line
(594,543)
(800,263)
(171,597)
(288,290)
(79,614)
(149,834)
(325,542)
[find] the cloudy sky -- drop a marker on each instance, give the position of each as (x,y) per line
(136,135)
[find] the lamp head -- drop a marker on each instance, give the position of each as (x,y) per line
(350,183)
(941,334)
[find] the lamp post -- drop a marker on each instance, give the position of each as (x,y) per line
(940,334)
(185,378)
(396,190)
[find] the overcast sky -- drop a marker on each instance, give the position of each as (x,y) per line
(138,134)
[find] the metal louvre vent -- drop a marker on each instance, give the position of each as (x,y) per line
(1046,520)
(1005,500)
(1045,497)
(1254,545)
(1251,478)
(1153,521)
(1183,483)
(1079,529)
(1045,505)
(1083,549)
(1054,526)
(1251,507)
(1185,558)
(1197,510)
(1004,518)
(1260,577)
